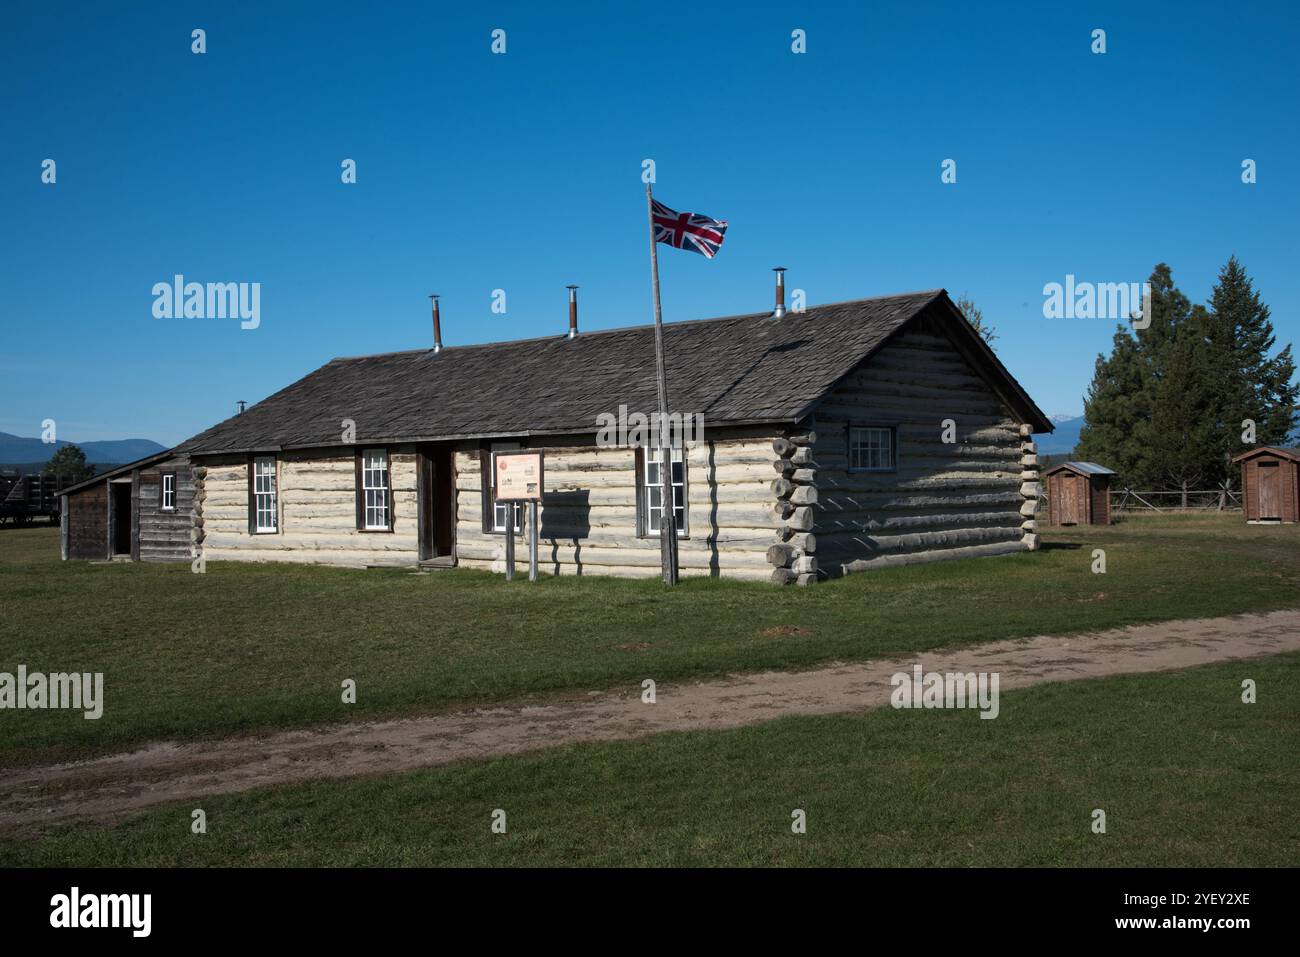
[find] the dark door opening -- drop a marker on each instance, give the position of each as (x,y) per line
(121,530)
(437,503)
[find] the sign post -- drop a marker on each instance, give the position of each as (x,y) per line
(521,477)
(532,541)
(510,541)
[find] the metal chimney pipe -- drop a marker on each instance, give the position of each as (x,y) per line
(241,404)
(573,311)
(437,326)
(779,311)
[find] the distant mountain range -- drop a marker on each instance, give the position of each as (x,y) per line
(1064,439)
(26,454)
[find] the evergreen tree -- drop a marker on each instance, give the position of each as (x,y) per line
(1165,408)
(1120,405)
(1186,410)
(975,316)
(1117,412)
(69,460)
(1253,384)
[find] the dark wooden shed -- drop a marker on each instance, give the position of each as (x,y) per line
(1270,484)
(1078,493)
(143,511)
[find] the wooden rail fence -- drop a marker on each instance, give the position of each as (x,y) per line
(1175,500)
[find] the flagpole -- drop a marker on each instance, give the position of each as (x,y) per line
(668,516)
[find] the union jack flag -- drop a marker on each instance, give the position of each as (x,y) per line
(690,231)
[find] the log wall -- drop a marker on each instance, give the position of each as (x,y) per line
(763,504)
(587,520)
(794,557)
(88,523)
(164,536)
(317,503)
(975,496)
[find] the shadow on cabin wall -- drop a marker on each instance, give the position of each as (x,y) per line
(573,527)
(566,519)
(715,569)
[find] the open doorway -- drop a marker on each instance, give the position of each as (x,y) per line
(120,525)
(437,491)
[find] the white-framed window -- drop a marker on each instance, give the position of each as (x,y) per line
(375,488)
(168,492)
(264,494)
(871,448)
(501,510)
(499,516)
(654,490)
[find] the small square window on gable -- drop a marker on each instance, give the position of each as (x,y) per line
(872,448)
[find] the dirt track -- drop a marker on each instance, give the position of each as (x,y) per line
(112,787)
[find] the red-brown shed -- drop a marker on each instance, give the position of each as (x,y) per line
(1270,484)
(1078,493)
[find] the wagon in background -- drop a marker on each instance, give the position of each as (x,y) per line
(26,498)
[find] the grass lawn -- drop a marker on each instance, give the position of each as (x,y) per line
(1187,774)
(247,647)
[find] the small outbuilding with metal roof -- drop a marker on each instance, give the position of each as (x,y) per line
(1078,493)
(1270,484)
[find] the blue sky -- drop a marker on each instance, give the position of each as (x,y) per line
(522,172)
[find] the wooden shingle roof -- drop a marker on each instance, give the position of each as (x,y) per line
(736,370)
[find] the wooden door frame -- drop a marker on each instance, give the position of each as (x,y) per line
(1273,469)
(427,457)
(135,515)
(112,517)
(423,504)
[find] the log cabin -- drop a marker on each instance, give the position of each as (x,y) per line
(836,439)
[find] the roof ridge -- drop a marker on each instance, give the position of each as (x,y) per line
(933,293)
(736,370)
